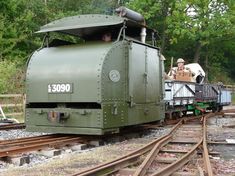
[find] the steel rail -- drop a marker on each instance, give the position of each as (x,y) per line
(179,163)
(142,169)
(121,162)
(36,141)
(182,161)
(12,126)
(26,148)
(205,149)
(228,111)
(25,139)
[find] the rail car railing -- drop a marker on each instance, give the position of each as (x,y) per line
(12,105)
(230,87)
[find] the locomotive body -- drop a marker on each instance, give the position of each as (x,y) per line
(95,87)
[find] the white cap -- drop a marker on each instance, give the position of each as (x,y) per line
(180,60)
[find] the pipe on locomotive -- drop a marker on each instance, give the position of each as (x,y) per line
(135,16)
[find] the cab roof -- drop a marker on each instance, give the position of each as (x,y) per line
(88,25)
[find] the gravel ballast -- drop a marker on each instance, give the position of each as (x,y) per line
(69,162)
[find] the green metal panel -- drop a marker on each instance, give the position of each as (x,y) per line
(145,113)
(153,76)
(79,65)
(80,121)
(69,130)
(114,65)
(86,117)
(145,76)
(137,73)
(114,78)
(115,115)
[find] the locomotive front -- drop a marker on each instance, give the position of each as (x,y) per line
(93,87)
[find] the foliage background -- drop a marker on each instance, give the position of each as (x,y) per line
(197,30)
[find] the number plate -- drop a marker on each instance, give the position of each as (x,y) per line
(60,88)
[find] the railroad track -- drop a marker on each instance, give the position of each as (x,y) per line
(133,162)
(12,126)
(23,145)
(161,157)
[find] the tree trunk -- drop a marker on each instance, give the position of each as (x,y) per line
(163,40)
(206,68)
(165,7)
(197,52)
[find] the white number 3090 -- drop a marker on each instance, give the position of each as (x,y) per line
(59,88)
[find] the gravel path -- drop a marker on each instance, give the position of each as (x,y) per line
(224,164)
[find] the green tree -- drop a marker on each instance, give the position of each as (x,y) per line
(197,30)
(192,29)
(156,14)
(18,24)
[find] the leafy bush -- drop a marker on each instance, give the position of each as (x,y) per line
(11,77)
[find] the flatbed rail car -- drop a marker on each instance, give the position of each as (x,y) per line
(225,97)
(182,97)
(178,96)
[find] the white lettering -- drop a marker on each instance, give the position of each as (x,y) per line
(59,88)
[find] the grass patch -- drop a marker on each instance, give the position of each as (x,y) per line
(20,119)
(233,98)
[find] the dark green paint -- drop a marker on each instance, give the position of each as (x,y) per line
(135,98)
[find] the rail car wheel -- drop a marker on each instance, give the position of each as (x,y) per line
(220,108)
(197,112)
(215,109)
(184,113)
(176,115)
(180,114)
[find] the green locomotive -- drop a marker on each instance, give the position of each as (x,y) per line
(95,87)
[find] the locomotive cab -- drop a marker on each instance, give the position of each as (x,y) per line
(94,87)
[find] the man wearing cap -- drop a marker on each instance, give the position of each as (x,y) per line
(180,64)
(180,67)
